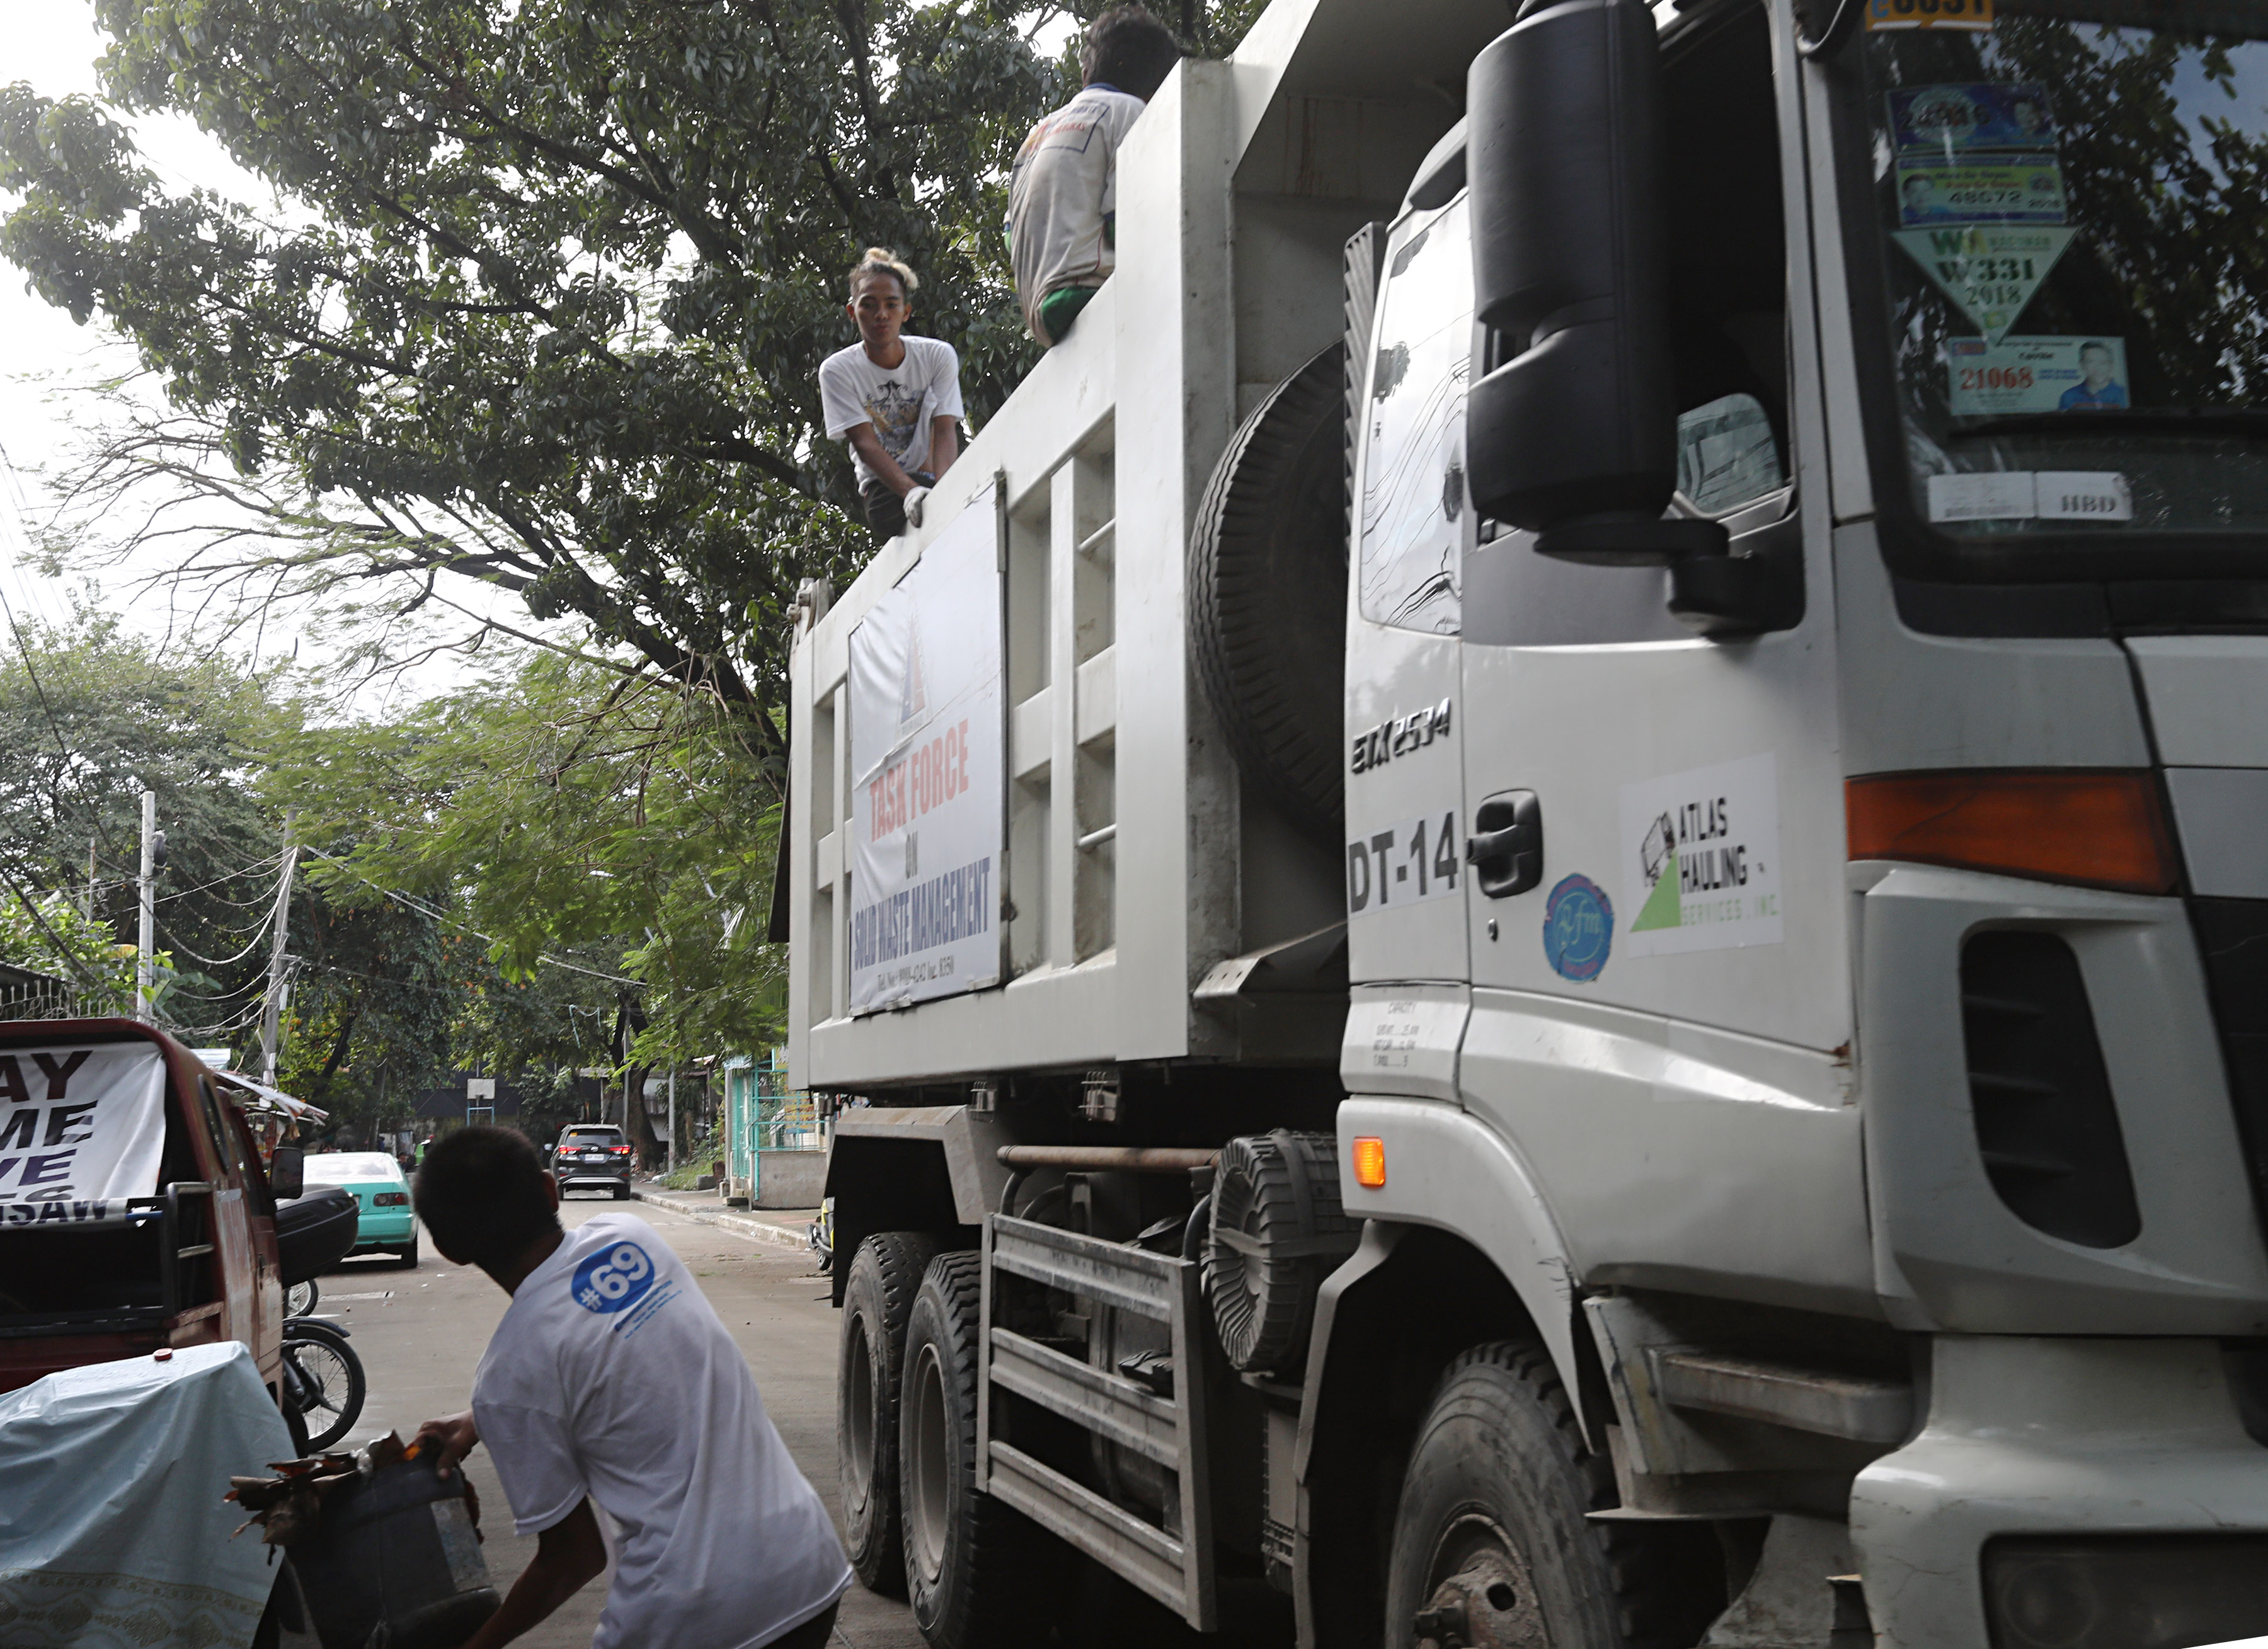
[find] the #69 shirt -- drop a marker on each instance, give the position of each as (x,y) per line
(610,1376)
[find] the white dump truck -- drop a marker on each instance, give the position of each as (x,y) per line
(1541,903)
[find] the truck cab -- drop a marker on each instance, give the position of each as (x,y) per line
(1613,994)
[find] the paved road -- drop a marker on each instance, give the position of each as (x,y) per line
(421,1332)
(420,1345)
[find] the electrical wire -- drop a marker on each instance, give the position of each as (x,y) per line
(427,911)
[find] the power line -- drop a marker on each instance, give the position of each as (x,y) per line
(423,909)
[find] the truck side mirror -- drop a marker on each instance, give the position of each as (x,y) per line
(1572,422)
(287,1173)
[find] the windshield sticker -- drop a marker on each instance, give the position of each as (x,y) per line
(1701,859)
(1998,495)
(1948,120)
(2079,495)
(1980,189)
(2036,375)
(2024,494)
(1990,273)
(1726,455)
(1578,929)
(1929,14)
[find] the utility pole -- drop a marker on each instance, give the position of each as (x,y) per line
(144,977)
(87,910)
(271,1013)
(673,1118)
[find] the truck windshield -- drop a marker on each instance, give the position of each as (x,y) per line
(2068,207)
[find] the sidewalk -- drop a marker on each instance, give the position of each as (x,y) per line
(786,1227)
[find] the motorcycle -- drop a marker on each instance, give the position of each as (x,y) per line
(323,1380)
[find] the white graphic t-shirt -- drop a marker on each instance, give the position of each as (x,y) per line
(610,1376)
(898,400)
(1063,196)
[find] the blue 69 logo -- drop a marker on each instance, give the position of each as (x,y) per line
(614,1278)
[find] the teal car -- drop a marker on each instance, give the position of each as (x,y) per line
(381,1199)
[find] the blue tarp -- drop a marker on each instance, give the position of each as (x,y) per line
(113,1532)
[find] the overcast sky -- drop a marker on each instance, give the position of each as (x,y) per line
(53,44)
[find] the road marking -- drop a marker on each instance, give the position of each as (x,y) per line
(383,1293)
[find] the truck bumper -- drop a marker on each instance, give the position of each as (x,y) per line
(2055,1438)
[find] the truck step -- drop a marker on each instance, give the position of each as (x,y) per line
(1867,1408)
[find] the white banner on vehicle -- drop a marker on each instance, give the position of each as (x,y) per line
(928,760)
(81,1130)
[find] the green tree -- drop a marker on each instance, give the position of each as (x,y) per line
(547,297)
(612,838)
(90,717)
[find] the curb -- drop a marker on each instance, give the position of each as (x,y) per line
(740,1225)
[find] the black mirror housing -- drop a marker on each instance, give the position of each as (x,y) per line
(1578,422)
(287,1173)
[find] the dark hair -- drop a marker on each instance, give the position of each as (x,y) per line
(1129,48)
(481,1192)
(2096,343)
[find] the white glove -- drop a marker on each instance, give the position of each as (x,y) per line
(913,506)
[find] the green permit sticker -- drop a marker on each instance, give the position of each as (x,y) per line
(1991,272)
(1935,189)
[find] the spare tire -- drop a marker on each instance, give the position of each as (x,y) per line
(1268,568)
(1277,1231)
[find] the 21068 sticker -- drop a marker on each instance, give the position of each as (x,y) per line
(613,1280)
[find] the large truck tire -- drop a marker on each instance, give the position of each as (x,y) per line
(978,1574)
(878,1298)
(1493,1542)
(1267,575)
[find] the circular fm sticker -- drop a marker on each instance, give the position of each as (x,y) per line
(614,1278)
(1578,929)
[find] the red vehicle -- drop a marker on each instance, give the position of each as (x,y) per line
(136,1211)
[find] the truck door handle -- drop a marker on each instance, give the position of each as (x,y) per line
(1506,844)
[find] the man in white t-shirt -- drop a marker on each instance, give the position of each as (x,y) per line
(895,398)
(611,1381)
(1063,196)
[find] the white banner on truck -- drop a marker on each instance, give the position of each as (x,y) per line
(81,1130)
(928,760)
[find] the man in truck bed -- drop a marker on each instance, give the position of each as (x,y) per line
(1063,199)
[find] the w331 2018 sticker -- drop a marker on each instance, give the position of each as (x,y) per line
(1404,863)
(1927,14)
(614,1279)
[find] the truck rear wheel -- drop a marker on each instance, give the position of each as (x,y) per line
(977,1572)
(878,1297)
(1492,1540)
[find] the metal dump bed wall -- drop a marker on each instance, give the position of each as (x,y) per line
(1107,908)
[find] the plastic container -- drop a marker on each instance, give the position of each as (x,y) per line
(394,1563)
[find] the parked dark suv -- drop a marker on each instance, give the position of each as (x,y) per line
(591,1154)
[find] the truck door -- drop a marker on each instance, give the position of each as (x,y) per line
(1661,1007)
(1405,787)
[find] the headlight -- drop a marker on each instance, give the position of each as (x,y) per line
(2125,1591)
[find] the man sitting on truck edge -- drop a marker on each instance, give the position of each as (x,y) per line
(897,399)
(611,1379)
(1063,196)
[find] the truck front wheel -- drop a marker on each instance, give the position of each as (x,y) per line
(878,1298)
(1492,1540)
(977,1572)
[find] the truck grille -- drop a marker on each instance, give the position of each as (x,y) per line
(2233,935)
(2046,1125)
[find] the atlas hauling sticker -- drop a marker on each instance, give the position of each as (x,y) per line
(1701,859)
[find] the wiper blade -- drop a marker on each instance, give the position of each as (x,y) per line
(2151,421)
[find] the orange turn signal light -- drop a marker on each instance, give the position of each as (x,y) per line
(2098,829)
(1369,1162)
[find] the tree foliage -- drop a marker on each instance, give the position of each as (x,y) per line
(545,294)
(610,837)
